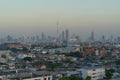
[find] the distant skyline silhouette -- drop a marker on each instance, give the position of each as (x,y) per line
(32,17)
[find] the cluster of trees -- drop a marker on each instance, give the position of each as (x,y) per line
(2,63)
(28,59)
(75,78)
(74,54)
(109,73)
(53,65)
(117,62)
(16,49)
(71,78)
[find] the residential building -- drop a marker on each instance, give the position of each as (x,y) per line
(96,73)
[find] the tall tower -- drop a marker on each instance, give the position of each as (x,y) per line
(57,39)
(57,30)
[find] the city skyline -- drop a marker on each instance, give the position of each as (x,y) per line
(29,17)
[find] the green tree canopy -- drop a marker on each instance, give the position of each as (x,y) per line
(72,77)
(109,73)
(66,78)
(74,54)
(88,78)
(118,62)
(28,59)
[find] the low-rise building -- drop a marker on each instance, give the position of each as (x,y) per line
(96,73)
(36,75)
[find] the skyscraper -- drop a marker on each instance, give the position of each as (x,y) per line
(67,36)
(103,38)
(63,36)
(43,36)
(9,38)
(111,38)
(24,41)
(92,36)
(37,39)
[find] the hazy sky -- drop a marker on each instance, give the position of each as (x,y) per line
(79,16)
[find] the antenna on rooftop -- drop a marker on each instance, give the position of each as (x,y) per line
(57,29)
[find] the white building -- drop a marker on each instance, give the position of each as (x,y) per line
(35,75)
(96,73)
(40,78)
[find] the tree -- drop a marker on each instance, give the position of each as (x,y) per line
(2,63)
(24,49)
(53,65)
(74,54)
(72,77)
(109,73)
(27,59)
(117,62)
(14,50)
(112,70)
(66,78)
(88,78)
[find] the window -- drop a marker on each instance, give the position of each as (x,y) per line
(94,70)
(94,77)
(93,73)
(48,78)
(45,79)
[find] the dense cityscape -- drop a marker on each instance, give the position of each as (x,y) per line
(63,57)
(59,39)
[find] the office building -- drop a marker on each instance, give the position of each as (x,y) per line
(96,73)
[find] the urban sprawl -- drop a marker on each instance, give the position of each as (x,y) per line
(63,57)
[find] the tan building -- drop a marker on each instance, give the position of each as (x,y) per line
(102,52)
(14,45)
(96,73)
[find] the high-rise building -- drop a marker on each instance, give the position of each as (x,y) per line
(103,38)
(92,36)
(43,36)
(67,36)
(24,40)
(63,36)
(9,38)
(33,39)
(111,38)
(37,39)
(118,39)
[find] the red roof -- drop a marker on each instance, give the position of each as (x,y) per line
(90,51)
